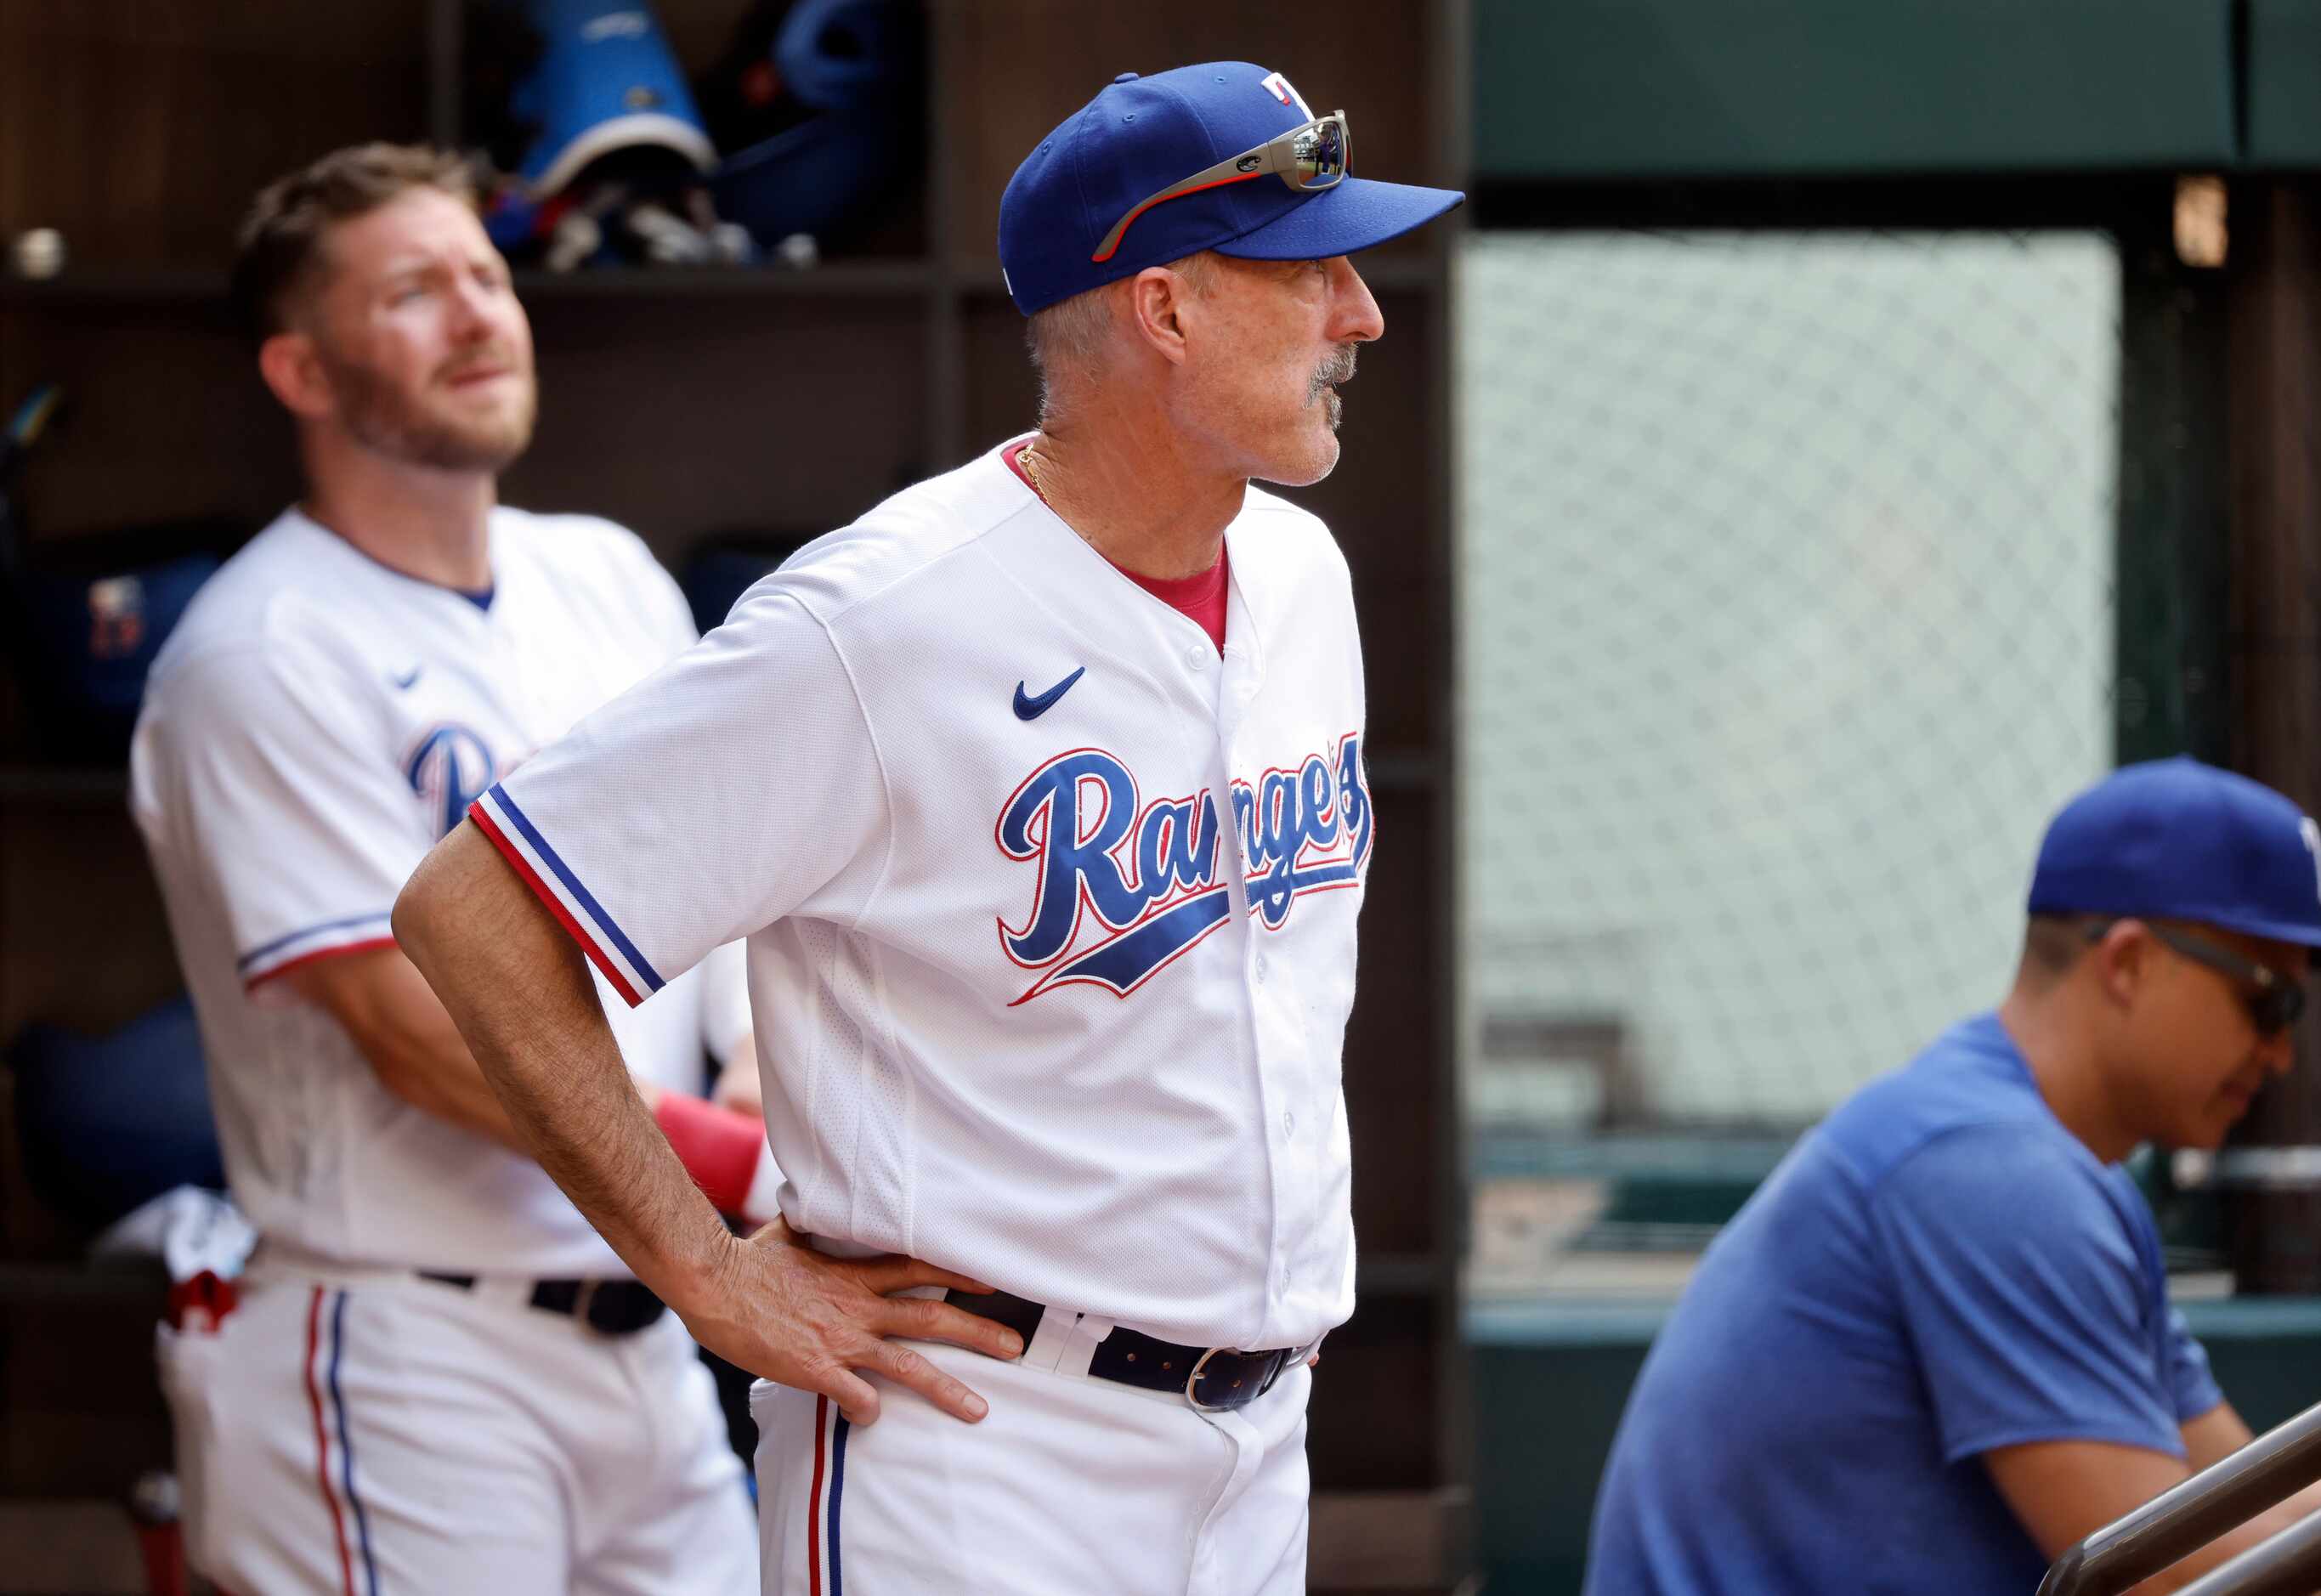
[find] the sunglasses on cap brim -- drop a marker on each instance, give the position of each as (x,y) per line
(2273,1000)
(1308,158)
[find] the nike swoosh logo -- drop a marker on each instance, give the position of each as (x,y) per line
(1030,708)
(406,683)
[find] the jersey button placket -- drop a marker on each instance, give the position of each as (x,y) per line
(1289,1173)
(1263,1048)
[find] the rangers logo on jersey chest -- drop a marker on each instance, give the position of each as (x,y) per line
(1124,886)
(449,767)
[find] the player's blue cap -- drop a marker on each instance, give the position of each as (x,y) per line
(1225,156)
(2176,839)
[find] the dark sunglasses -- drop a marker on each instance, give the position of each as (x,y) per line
(1309,159)
(2273,1000)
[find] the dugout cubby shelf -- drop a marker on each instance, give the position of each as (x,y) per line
(844,278)
(63,784)
(691,404)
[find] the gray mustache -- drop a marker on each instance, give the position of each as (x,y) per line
(1339,369)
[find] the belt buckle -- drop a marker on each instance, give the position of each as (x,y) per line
(1238,1400)
(1200,1368)
(582,1301)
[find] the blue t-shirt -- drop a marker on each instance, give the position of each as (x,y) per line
(1938,1269)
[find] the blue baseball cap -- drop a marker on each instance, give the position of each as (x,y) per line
(1141,135)
(2176,839)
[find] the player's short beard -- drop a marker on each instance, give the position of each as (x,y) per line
(1340,368)
(376,415)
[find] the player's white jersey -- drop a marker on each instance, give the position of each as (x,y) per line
(314,724)
(1051,910)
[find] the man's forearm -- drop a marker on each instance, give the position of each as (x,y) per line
(516,987)
(400,1028)
(520,993)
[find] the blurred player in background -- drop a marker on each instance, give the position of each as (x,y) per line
(1936,1349)
(437,1377)
(1042,804)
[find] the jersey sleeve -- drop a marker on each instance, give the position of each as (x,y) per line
(2026,1296)
(258,766)
(736,785)
(2191,1383)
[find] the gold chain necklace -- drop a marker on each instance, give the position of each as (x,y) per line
(1029,462)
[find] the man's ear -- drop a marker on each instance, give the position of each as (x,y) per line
(1158,298)
(2123,961)
(287,362)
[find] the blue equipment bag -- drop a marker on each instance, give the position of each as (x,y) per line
(819,109)
(606,82)
(83,618)
(108,1123)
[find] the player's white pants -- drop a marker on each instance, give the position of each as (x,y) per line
(1068,1487)
(384,1436)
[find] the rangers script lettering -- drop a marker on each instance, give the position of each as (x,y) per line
(1152,880)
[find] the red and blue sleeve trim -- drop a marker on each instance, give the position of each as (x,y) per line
(512,831)
(354,934)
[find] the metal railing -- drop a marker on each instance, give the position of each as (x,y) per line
(2288,1564)
(2180,1521)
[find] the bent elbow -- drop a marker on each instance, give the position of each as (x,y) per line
(405,919)
(413,919)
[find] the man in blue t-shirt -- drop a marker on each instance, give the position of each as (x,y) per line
(1936,1349)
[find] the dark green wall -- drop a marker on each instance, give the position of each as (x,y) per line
(1568,89)
(2284,83)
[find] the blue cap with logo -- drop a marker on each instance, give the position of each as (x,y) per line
(1141,136)
(2176,839)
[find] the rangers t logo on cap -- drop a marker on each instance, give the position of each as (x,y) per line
(1287,95)
(1148,172)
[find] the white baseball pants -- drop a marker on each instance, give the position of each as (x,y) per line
(379,1435)
(1068,1485)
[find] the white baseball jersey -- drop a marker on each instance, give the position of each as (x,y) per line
(313,726)
(1051,910)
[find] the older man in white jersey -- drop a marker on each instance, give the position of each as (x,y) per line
(1041,803)
(436,1376)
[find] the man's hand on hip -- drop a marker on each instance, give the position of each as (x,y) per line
(518,990)
(807,1321)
